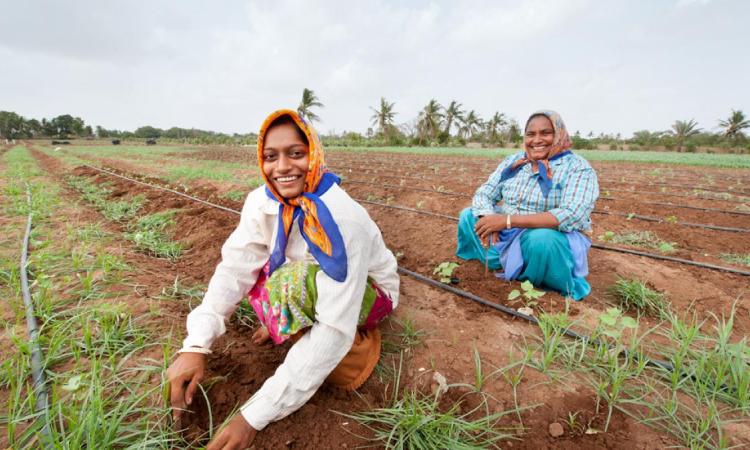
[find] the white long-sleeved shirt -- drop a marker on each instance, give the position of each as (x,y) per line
(317,353)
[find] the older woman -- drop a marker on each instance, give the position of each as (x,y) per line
(316,271)
(538,231)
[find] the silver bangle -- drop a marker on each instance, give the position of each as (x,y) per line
(201,350)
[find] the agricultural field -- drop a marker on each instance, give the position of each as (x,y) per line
(126,238)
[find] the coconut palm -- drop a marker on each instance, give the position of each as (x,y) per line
(470,125)
(383,117)
(494,126)
(683,130)
(734,125)
(452,112)
(430,119)
(309,101)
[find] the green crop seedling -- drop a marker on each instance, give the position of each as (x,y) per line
(445,270)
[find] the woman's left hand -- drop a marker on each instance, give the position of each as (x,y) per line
(238,435)
(489,224)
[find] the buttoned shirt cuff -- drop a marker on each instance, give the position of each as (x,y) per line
(563,217)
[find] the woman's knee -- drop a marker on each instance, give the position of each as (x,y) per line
(543,238)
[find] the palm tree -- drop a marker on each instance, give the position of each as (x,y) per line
(429,120)
(452,112)
(734,125)
(470,125)
(494,126)
(683,130)
(383,117)
(309,101)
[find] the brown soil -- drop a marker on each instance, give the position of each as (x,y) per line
(455,326)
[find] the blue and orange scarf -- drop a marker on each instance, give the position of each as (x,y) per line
(561,145)
(315,222)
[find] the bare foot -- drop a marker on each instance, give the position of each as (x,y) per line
(260,336)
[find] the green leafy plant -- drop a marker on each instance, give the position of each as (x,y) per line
(445,270)
(529,294)
(671,219)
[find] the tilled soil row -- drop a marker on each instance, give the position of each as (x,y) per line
(241,368)
(719,179)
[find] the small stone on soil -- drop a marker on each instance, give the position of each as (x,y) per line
(556,430)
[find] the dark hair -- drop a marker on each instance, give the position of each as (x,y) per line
(284,120)
(534,116)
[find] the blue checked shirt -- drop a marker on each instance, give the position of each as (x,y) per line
(575,189)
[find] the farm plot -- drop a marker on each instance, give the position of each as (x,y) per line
(424,242)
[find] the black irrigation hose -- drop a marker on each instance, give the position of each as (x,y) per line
(684,224)
(531,319)
(593,245)
(429,281)
(422,178)
(37,367)
(445,216)
(645,202)
(606,213)
(664,365)
(196,199)
(672,205)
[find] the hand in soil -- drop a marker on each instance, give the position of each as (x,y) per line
(260,336)
(183,375)
(237,435)
(487,225)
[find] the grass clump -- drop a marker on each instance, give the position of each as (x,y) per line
(643,239)
(235,196)
(150,234)
(415,421)
(634,295)
(98,195)
(734,258)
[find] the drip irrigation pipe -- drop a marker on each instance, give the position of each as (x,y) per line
(514,313)
(182,194)
(593,245)
(699,188)
(460,194)
(442,216)
(429,281)
(37,367)
(605,213)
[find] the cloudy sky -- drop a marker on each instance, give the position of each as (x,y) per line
(611,66)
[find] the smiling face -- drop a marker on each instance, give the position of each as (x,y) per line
(285,159)
(539,137)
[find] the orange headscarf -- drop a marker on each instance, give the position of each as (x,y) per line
(318,228)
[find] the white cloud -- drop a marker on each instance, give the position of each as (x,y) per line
(610,66)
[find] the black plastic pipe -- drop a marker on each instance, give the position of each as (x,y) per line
(37,367)
(606,213)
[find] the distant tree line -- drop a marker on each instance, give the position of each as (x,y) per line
(434,125)
(14,126)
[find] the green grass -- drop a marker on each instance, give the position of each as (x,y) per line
(236,196)
(415,421)
(735,258)
(643,239)
(690,159)
(151,234)
(101,384)
(98,194)
(708,388)
(634,295)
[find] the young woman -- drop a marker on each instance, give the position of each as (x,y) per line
(538,232)
(316,270)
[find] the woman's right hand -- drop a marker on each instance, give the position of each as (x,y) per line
(183,375)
